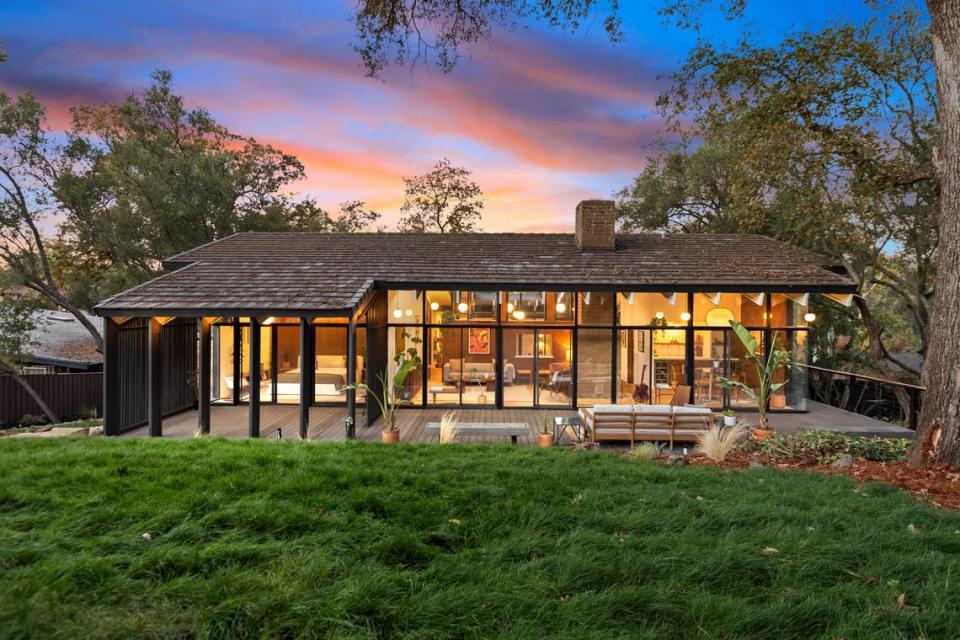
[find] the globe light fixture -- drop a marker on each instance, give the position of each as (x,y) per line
(434,306)
(685,316)
(658,315)
(397,313)
(809,316)
(462,307)
(561,308)
(519,314)
(509,307)
(409,313)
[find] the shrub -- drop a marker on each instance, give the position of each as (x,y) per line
(30,420)
(646,451)
(825,446)
(717,442)
(448,427)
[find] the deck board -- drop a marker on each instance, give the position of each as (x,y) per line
(327,423)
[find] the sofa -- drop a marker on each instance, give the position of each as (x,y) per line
(454,372)
(646,422)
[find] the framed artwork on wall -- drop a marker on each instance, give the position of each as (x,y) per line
(478,341)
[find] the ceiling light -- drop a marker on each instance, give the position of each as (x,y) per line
(462,307)
(409,312)
(434,306)
(397,313)
(658,315)
(561,308)
(509,307)
(809,316)
(519,314)
(685,316)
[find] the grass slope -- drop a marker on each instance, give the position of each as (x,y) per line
(281,539)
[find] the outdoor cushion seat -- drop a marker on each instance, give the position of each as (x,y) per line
(646,422)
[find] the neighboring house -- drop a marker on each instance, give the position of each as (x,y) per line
(59,343)
(500,319)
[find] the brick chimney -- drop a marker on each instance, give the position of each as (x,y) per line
(595,225)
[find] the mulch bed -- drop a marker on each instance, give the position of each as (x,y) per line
(936,483)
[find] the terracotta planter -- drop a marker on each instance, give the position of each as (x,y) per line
(390,437)
(544,440)
(761,434)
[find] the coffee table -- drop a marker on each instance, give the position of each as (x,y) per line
(496,429)
(571,426)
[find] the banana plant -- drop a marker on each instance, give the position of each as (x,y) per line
(766,368)
(391,387)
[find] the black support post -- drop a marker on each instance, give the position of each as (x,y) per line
(351,427)
(111,377)
(203,381)
(253,385)
(154,379)
(306,376)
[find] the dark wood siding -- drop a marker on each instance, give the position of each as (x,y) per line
(178,349)
(69,396)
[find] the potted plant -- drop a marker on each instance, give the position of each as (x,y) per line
(729,418)
(392,389)
(545,435)
(766,369)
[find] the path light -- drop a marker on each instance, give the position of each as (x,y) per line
(685,316)
(397,313)
(809,316)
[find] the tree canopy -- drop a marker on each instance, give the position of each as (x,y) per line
(444,200)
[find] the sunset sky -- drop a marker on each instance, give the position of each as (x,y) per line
(543,119)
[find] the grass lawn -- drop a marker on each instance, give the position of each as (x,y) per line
(265,539)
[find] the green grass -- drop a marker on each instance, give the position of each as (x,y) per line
(265,539)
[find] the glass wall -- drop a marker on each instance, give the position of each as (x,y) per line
(330,364)
(446,307)
(594,367)
(288,364)
(709,365)
(401,339)
(537,367)
(652,309)
(634,366)
(596,308)
(462,366)
(222,381)
(717,309)
(669,363)
(405,306)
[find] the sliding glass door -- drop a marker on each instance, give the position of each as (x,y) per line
(537,367)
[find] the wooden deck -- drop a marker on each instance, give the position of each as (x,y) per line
(327,423)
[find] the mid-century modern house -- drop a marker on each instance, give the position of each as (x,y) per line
(501,320)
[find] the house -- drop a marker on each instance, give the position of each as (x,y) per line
(59,343)
(501,320)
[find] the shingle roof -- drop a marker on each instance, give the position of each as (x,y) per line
(59,339)
(301,272)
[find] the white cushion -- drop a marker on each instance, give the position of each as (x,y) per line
(652,408)
(613,408)
(697,411)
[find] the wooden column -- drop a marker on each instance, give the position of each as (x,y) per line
(111,377)
(253,384)
(351,379)
(306,375)
(203,382)
(154,379)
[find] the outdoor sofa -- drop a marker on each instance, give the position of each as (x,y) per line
(646,422)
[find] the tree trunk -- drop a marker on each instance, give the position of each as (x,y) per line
(51,416)
(938,437)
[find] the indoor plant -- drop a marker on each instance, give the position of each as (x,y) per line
(766,368)
(545,435)
(390,398)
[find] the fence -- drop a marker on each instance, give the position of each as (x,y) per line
(69,395)
(886,400)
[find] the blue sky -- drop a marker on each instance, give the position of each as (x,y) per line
(543,119)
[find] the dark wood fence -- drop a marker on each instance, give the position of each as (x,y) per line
(69,395)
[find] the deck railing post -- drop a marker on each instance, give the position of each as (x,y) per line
(253,384)
(111,377)
(914,414)
(203,377)
(307,360)
(154,379)
(351,421)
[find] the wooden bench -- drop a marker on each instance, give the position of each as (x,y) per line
(495,429)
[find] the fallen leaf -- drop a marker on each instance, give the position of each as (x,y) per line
(565,598)
(769,550)
(147,536)
(873,579)
(577,498)
(454,522)
(912,529)
(699,497)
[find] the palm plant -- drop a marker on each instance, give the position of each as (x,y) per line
(392,385)
(766,368)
